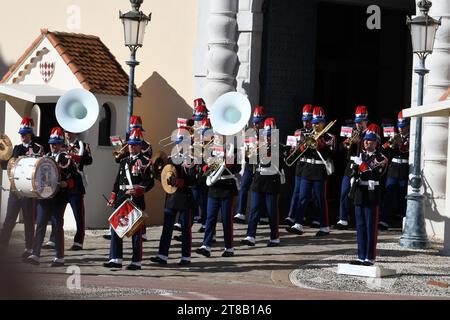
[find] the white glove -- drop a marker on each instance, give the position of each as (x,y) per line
(356,160)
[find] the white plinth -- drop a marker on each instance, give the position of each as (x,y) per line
(364,271)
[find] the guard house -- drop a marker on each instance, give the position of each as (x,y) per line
(55,63)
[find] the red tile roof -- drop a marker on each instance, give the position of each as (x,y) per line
(88,58)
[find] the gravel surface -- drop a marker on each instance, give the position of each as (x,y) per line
(419,273)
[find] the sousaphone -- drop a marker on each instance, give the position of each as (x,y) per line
(77,110)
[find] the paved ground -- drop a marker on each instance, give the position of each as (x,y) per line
(302,267)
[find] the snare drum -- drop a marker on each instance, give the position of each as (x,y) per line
(126,219)
(33,177)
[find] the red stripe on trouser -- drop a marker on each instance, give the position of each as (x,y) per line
(277,217)
(190,212)
(140,243)
(325,201)
(375,236)
(231,220)
(82,218)
(62,231)
(33,221)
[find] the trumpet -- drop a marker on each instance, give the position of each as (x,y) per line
(394,140)
(119,153)
(356,136)
(309,142)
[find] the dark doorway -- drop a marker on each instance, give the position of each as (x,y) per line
(323,53)
(48,121)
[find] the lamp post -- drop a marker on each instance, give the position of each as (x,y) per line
(134,23)
(423,30)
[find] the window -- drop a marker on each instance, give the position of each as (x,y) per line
(104,127)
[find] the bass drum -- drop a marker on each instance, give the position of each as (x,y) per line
(33,177)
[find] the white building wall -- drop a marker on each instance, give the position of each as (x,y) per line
(435,129)
(103,170)
(250,27)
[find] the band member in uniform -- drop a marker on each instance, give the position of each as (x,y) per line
(314,174)
(28,205)
(397,148)
(353,146)
(180,201)
(258,118)
(54,208)
(80,154)
(200,192)
(135,177)
(146,150)
(301,134)
(369,169)
(265,190)
(223,186)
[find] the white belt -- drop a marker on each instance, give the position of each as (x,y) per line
(267,171)
(397,160)
(125,187)
(366,183)
(313,161)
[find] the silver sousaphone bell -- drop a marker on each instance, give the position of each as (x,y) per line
(230,113)
(77,110)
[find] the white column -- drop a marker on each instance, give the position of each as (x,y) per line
(250,27)
(435,129)
(222,56)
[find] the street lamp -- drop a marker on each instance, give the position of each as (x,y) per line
(134,23)
(423,30)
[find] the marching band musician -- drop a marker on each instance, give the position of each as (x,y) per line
(80,154)
(27,148)
(200,190)
(369,168)
(135,177)
(307,113)
(314,175)
(200,193)
(146,150)
(181,201)
(53,208)
(397,148)
(259,115)
(222,188)
(265,189)
(353,146)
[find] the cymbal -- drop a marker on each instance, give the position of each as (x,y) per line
(159,160)
(6,147)
(168,171)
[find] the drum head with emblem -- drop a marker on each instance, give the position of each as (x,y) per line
(168,171)
(46,178)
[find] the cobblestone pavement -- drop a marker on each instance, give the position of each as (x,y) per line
(302,267)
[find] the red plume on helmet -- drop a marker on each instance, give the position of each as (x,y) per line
(26,125)
(318,115)
(307,112)
(372,133)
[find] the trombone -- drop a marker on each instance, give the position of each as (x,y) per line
(309,142)
(191,132)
